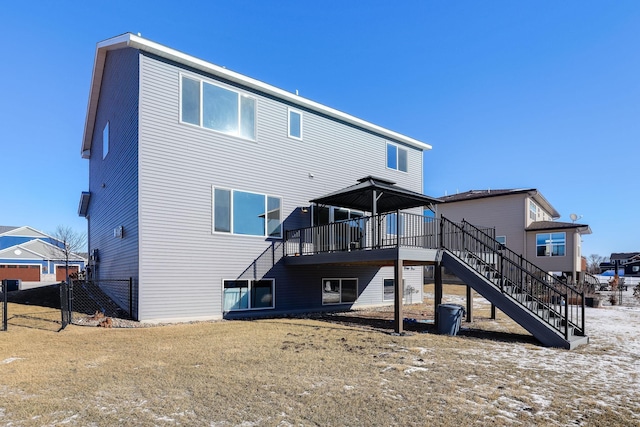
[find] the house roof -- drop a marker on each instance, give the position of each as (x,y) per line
(6,228)
(623,255)
(557,225)
(482,194)
(36,249)
(137,42)
(381,193)
(22,231)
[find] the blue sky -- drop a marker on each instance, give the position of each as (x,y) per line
(510,94)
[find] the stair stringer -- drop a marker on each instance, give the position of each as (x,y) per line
(533,324)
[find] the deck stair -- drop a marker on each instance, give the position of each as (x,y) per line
(550,309)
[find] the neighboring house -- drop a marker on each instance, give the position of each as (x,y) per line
(196,173)
(624,258)
(30,255)
(526,223)
(627,262)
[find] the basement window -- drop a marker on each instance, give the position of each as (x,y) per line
(339,291)
(248,294)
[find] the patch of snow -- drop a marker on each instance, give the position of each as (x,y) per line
(412,369)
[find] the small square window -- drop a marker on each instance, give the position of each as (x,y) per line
(295,124)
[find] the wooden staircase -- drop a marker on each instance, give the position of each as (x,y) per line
(550,309)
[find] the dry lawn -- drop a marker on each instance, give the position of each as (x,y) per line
(330,371)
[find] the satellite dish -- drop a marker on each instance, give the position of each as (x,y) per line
(573,217)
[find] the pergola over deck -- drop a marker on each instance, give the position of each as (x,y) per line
(377,195)
(366,240)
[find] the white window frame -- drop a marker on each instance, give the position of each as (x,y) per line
(550,245)
(250,283)
(393,298)
(105,140)
(533,211)
(238,93)
(299,113)
(397,148)
(340,292)
(231,207)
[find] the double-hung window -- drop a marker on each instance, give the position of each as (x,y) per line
(242,212)
(214,107)
(550,244)
(295,124)
(248,294)
(533,211)
(397,157)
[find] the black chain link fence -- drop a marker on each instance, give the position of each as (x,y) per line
(98,299)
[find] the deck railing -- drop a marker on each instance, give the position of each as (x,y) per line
(550,298)
(553,300)
(368,232)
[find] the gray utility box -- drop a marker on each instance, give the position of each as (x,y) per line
(11,284)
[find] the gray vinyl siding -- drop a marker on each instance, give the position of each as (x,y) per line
(113,180)
(506,213)
(182,263)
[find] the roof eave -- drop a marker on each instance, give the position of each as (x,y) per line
(545,203)
(131,40)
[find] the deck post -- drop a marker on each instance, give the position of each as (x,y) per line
(398,291)
(469,304)
(437,290)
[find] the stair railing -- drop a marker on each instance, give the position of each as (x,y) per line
(546,296)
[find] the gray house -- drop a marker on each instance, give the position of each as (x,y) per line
(526,223)
(222,196)
(196,174)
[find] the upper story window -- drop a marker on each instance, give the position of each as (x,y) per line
(533,211)
(217,108)
(501,239)
(105,140)
(241,212)
(551,244)
(295,124)
(397,157)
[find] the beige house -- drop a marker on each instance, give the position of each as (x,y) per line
(526,223)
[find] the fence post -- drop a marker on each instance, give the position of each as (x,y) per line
(4,304)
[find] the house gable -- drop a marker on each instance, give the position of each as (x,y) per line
(17,235)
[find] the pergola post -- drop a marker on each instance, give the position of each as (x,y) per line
(398,294)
